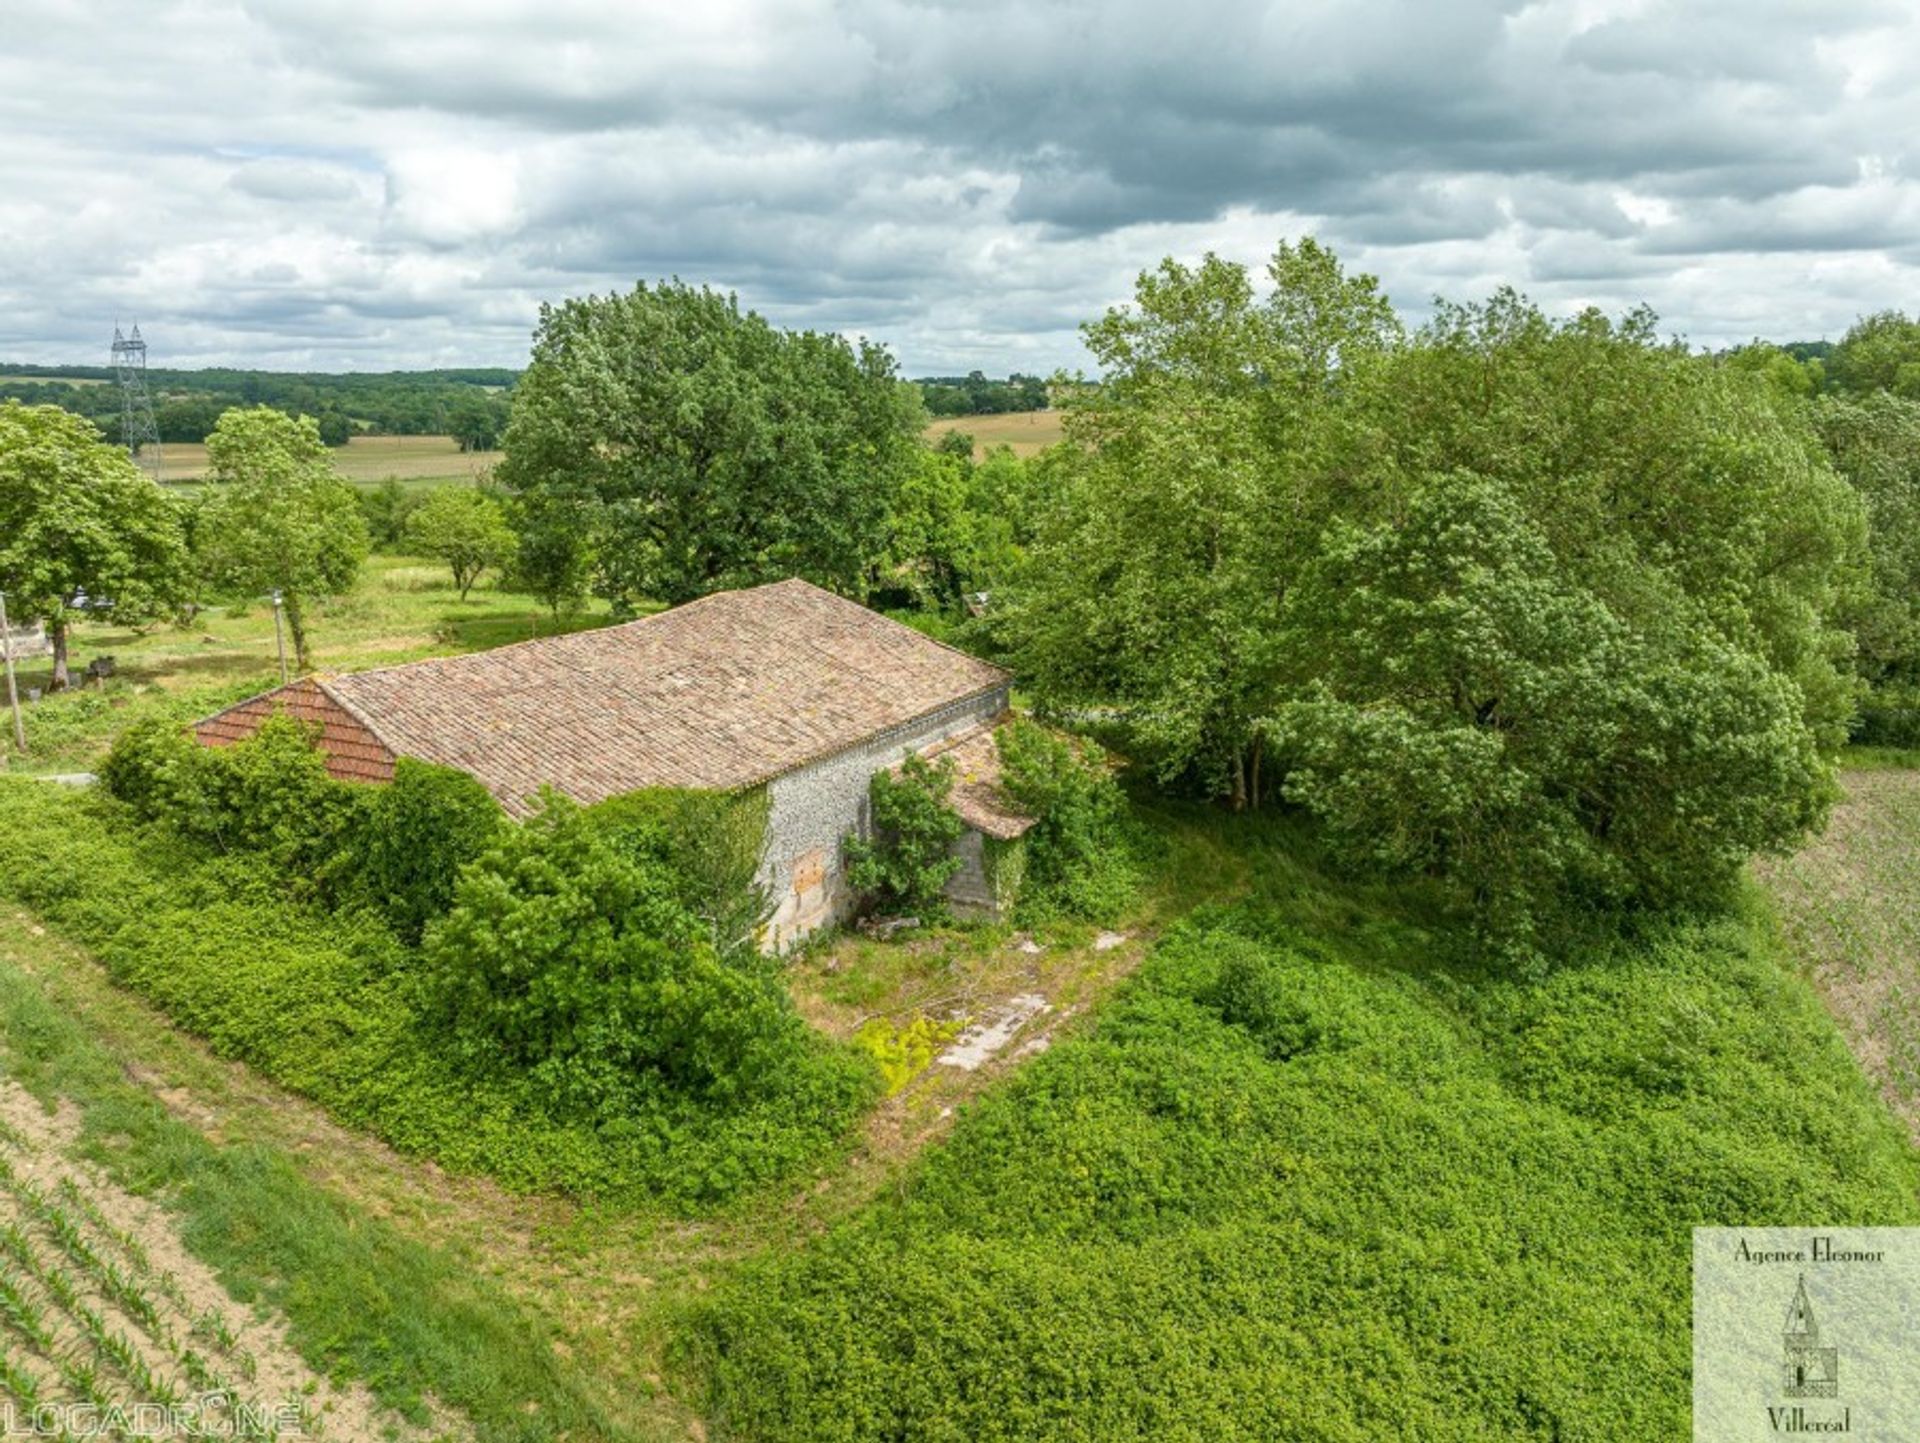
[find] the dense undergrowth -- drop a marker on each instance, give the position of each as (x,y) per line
(332,1004)
(1305,1179)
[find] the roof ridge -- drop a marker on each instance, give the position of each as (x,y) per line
(882,616)
(559,636)
(356,713)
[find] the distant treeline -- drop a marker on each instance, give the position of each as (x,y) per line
(976,395)
(469,403)
(1880,353)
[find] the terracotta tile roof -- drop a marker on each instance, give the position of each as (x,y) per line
(727,691)
(977,797)
(354,753)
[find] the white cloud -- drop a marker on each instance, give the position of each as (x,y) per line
(389,182)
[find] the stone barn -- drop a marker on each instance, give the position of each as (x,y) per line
(784,686)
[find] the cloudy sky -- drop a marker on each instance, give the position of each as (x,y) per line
(383,183)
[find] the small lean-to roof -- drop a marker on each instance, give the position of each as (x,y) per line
(977,797)
(724,692)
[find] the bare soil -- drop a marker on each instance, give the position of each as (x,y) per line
(48,1190)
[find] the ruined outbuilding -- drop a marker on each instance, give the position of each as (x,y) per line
(783,686)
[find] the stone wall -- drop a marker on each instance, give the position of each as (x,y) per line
(988,880)
(811,811)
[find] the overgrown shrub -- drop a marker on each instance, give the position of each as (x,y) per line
(1889,717)
(711,844)
(269,800)
(418,832)
(906,862)
(1079,855)
(574,956)
(269,796)
(330,1004)
(156,768)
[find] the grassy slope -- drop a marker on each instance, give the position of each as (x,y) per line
(1304,1179)
(404,608)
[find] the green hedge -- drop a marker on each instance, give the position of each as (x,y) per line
(330,1003)
(1284,1191)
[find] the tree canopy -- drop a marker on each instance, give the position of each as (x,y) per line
(276,516)
(464,527)
(1880,352)
(692,446)
(78,517)
(1549,609)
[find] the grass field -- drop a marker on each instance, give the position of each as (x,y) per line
(1027,432)
(364,458)
(404,608)
(1850,903)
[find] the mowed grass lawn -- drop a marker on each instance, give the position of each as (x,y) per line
(404,608)
(364,458)
(1027,432)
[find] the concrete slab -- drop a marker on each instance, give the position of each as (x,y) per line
(978,1044)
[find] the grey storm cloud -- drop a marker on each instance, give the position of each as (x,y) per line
(378,183)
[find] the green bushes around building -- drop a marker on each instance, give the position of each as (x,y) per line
(573,1004)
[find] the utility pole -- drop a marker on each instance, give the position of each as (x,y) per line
(279,639)
(13,691)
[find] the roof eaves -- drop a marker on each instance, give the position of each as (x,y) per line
(811,758)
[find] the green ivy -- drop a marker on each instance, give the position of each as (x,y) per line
(1079,859)
(909,859)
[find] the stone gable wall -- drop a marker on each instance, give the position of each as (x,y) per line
(811,810)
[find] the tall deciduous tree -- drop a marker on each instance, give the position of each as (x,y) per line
(1880,353)
(1199,479)
(698,447)
(276,516)
(1875,443)
(77,516)
(1550,610)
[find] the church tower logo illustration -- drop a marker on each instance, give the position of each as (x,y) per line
(1811,1370)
